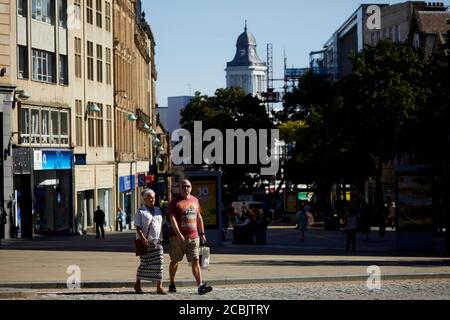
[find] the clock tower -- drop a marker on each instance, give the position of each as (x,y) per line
(247,70)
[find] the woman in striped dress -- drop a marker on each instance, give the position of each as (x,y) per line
(148,222)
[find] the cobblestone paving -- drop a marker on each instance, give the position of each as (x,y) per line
(435,289)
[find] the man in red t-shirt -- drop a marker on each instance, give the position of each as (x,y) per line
(186,220)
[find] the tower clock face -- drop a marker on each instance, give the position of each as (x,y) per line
(242,52)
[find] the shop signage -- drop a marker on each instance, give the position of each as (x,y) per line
(79,159)
(127,183)
(52,159)
(141,180)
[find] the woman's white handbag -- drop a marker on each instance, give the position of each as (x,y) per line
(204,257)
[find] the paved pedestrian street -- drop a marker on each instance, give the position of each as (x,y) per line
(434,289)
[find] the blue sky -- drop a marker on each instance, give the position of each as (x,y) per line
(195,38)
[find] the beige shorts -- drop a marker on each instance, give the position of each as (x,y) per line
(178,248)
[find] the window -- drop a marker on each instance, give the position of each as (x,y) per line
(25,125)
(35,132)
(99,63)
(384,34)
(90,61)
(108,16)
(78,123)
(43,66)
(118,130)
(391,35)
(99,13)
(77,57)
(45,132)
(22,53)
(42,10)
(91,123)
(64,127)
(44,126)
(62,13)
(372,38)
(109,126)
(99,126)
(54,122)
(63,72)
(77,10)
(416,40)
(108,66)
(89,11)
(22,8)
(95,127)
(397,33)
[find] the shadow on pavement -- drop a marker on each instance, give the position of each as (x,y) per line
(280,241)
(343,263)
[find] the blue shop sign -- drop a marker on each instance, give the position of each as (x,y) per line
(53,159)
(141,180)
(127,183)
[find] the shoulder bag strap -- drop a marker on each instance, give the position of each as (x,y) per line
(152,212)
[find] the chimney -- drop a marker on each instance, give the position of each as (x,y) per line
(436,6)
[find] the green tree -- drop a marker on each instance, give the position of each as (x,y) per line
(229,108)
(353,126)
(382,95)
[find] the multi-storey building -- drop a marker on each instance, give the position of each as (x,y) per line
(134,102)
(63,81)
(90,44)
(64,63)
(41,132)
(395,22)
(8,94)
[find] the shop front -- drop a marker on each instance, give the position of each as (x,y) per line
(127,195)
(42,192)
(104,183)
(94,185)
(53,190)
(84,205)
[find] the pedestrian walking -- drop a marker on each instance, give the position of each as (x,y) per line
(121,216)
(186,221)
(99,219)
(148,223)
(302,221)
(351,226)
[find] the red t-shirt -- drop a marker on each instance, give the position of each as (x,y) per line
(185,212)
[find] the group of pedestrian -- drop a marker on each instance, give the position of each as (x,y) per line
(356,218)
(359,218)
(186,232)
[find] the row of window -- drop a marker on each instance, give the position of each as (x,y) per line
(43,65)
(50,126)
(44,11)
(90,61)
(98,13)
(392,33)
(95,121)
(43,125)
